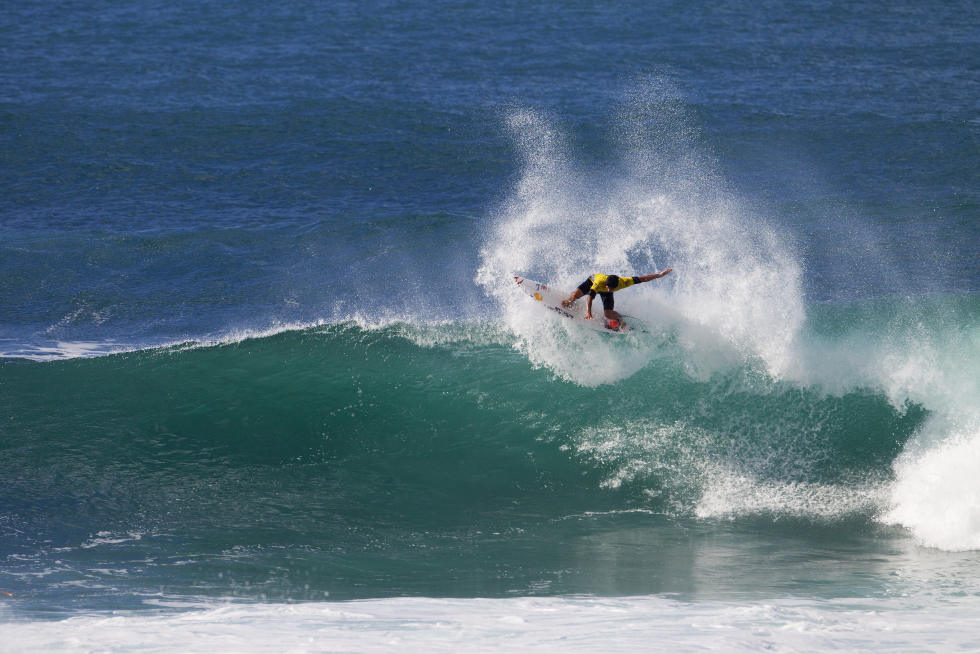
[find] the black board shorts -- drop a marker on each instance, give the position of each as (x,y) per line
(607,297)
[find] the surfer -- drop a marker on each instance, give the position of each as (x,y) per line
(605,286)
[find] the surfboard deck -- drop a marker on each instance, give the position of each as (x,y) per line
(551,299)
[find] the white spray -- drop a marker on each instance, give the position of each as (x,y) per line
(735,300)
(735,294)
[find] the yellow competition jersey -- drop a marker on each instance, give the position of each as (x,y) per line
(599,283)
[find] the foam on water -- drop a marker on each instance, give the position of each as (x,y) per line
(538,624)
(936,493)
(712,475)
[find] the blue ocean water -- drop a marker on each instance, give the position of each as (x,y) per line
(265,379)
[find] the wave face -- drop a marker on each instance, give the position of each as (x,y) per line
(496,450)
(388,457)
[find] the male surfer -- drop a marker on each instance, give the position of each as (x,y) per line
(605,286)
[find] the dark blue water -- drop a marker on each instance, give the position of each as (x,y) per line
(285,233)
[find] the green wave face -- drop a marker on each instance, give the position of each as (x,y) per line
(407,454)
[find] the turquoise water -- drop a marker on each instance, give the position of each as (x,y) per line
(347,461)
(261,356)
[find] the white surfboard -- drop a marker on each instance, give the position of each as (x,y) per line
(551,299)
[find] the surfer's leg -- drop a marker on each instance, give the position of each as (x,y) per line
(607,305)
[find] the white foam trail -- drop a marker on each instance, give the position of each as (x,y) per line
(546,624)
(66,350)
(111,538)
(712,475)
(729,494)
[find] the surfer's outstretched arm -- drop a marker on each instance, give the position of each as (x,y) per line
(588,306)
(647,278)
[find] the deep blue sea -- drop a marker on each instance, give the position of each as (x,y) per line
(266,383)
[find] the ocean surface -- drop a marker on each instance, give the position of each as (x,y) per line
(266,383)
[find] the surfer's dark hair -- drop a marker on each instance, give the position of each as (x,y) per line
(612,281)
